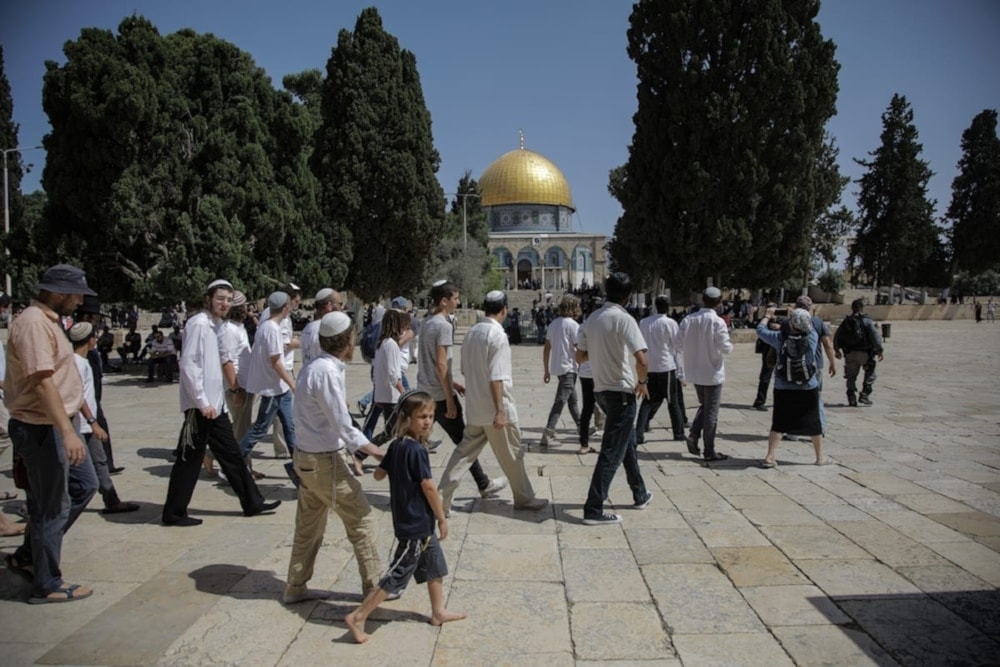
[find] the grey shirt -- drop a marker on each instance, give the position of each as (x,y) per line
(436,331)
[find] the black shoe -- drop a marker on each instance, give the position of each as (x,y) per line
(759,407)
(640,441)
(115,471)
(692,445)
(183,522)
(679,438)
(715,456)
(864,400)
(852,402)
(264,507)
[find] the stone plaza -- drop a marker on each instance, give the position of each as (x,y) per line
(889,556)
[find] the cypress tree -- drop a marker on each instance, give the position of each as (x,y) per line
(383,209)
(896,232)
(975,198)
(723,175)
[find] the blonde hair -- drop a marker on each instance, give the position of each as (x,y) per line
(408,404)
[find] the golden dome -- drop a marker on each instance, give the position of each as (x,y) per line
(524,177)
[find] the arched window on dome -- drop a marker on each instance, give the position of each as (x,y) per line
(583,267)
(505,260)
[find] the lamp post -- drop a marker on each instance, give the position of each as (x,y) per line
(465,225)
(6,211)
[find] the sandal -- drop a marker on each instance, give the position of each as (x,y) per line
(586,450)
(767,465)
(257,475)
(14,530)
(9,495)
(71,593)
(716,456)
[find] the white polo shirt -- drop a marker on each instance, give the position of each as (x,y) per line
(561,335)
(262,379)
(485,359)
(611,337)
(322,422)
(659,331)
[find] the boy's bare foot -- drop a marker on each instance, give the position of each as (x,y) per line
(357,628)
(446,617)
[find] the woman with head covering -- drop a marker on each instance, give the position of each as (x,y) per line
(796,383)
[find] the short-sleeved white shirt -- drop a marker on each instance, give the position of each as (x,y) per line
(659,331)
(611,337)
(310,342)
(561,335)
(234,346)
(262,379)
(485,359)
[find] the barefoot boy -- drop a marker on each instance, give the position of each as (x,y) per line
(415,505)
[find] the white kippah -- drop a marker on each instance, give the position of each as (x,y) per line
(324,294)
(495,295)
(81,331)
(333,324)
(216,283)
(277,300)
(439,282)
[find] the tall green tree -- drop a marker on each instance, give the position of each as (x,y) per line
(173,161)
(9,139)
(383,208)
(722,177)
(463,256)
(896,232)
(975,197)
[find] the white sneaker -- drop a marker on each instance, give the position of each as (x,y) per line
(497,484)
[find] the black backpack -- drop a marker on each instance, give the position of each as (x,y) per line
(796,362)
(853,334)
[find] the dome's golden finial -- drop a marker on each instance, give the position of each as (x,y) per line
(520,136)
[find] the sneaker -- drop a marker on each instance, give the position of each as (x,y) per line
(594,431)
(645,503)
(432,445)
(692,445)
(864,400)
(496,485)
(534,505)
(605,519)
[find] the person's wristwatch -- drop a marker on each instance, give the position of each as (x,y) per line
(643,381)
(91,421)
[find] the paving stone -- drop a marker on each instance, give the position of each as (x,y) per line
(541,624)
(972,524)
(680,545)
(932,503)
(804,542)
(772,511)
(837,511)
(619,630)
(586,575)
(831,645)
(730,649)
(699,599)
(449,657)
(972,557)
(849,578)
(724,529)
(793,605)
(886,544)
(918,527)
(757,566)
(919,630)
(500,558)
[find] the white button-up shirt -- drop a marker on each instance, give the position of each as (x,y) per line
(201,365)
(486,359)
(309,340)
(611,337)
(322,421)
(659,331)
(703,338)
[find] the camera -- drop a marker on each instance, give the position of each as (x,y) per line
(781,312)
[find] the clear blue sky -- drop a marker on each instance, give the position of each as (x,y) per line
(556,69)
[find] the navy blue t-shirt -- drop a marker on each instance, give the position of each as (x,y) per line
(407,464)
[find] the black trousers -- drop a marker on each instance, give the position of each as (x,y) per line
(216,434)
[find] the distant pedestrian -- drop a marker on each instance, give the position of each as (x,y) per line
(858,342)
